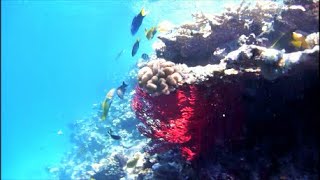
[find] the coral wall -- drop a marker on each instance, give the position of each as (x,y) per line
(194,118)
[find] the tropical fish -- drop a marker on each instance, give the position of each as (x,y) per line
(119,54)
(143,60)
(151,32)
(106,104)
(299,41)
(113,136)
(136,22)
(121,90)
(135,47)
(131,163)
(165,26)
(145,57)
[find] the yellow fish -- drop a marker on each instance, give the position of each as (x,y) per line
(299,41)
(131,163)
(106,104)
(151,32)
(165,26)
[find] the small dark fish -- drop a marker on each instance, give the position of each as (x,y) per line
(136,22)
(145,56)
(135,47)
(119,54)
(121,90)
(113,136)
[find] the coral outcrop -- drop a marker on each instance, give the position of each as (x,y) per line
(198,43)
(247,60)
(160,77)
(250,63)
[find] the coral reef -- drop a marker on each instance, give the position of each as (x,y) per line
(240,73)
(94,153)
(229,96)
(184,118)
(247,59)
(197,43)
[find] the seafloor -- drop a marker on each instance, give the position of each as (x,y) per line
(228,96)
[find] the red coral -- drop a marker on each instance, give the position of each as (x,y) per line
(194,118)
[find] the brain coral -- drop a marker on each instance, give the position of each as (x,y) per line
(160,77)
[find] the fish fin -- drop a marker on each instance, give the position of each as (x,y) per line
(124,84)
(143,12)
(296,43)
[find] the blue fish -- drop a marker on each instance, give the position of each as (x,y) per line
(145,56)
(136,22)
(114,136)
(135,47)
(121,90)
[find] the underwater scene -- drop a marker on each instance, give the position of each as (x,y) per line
(160,90)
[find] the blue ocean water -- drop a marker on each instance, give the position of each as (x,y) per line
(57,59)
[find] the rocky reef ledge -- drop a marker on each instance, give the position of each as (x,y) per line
(234,95)
(253,39)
